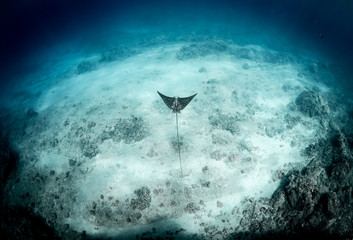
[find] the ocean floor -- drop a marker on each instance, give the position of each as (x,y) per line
(98,147)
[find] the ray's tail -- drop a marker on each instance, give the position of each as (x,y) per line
(177,104)
(177,127)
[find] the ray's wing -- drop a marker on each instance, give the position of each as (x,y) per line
(167,100)
(185,101)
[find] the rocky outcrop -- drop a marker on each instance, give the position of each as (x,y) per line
(85,66)
(129,130)
(115,54)
(311,104)
(318,199)
(8,163)
(201,49)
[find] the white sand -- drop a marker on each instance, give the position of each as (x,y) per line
(251,159)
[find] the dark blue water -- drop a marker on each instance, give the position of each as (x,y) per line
(38,37)
(32,26)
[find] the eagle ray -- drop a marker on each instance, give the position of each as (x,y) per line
(177,104)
